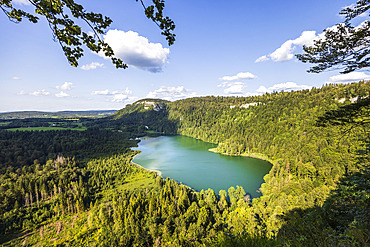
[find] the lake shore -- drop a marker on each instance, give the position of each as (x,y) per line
(188,161)
(249,155)
(159,173)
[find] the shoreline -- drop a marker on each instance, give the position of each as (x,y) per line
(213,150)
(158,173)
(248,155)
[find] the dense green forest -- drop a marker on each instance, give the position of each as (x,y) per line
(308,160)
(80,188)
(141,116)
(30,124)
(60,114)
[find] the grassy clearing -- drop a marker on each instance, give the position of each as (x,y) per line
(136,183)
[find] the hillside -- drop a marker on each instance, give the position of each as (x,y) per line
(70,188)
(308,160)
(140,116)
(142,105)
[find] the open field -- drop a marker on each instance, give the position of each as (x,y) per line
(45,129)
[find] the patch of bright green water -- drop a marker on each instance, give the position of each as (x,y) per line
(187,160)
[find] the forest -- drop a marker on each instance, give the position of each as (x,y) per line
(61,114)
(80,188)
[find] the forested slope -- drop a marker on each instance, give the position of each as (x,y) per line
(70,188)
(99,198)
(139,117)
(282,127)
(308,160)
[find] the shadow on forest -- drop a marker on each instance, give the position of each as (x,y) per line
(103,138)
(343,219)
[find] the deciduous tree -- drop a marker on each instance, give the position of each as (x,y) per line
(63,16)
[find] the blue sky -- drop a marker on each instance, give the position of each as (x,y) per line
(229,48)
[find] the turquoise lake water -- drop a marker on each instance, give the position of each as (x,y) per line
(187,160)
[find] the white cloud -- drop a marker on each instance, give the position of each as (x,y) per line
(65,86)
(262,59)
(239,76)
(171,93)
(136,50)
(21,2)
(91,33)
(363,15)
(232,87)
(22,92)
(348,78)
(285,51)
(117,95)
(287,86)
(120,97)
(262,89)
(15,78)
(93,65)
(42,92)
(61,94)
(306,38)
(235,89)
(104,92)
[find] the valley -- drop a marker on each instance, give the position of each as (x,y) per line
(81,188)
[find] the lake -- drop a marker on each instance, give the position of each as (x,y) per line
(187,160)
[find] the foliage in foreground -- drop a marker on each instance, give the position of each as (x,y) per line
(111,201)
(316,194)
(133,207)
(65,16)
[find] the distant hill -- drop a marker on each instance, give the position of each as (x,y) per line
(142,106)
(60,114)
(140,116)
